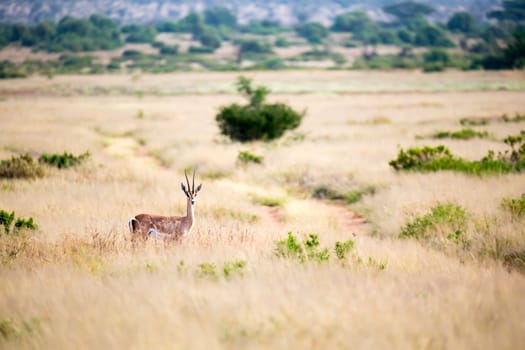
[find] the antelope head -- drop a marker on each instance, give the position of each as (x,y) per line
(191,192)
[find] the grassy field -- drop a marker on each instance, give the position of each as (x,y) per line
(78,282)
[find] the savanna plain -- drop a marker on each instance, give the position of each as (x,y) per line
(344,277)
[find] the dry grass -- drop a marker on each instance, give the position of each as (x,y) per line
(79,282)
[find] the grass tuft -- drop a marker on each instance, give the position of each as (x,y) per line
(20,167)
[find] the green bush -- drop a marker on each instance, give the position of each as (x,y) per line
(516,206)
(246,157)
(473,121)
(200,49)
(463,134)
(517,118)
(62,161)
(308,250)
(256,120)
(325,192)
(313,32)
(169,50)
(254,46)
(343,248)
(7,219)
(9,70)
(281,41)
(20,167)
(233,268)
(353,196)
(515,260)
(440,158)
(450,215)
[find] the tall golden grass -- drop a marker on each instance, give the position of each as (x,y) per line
(79,281)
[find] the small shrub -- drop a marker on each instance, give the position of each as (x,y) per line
(379,265)
(289,247)
(20,167)
(355,196)
(324,192)
(474,121)
(416,158)
(257,120)
(518,117)
(269,201)
(309,250)
(25,223)
(516,206)
(515,260)
(62,161)
(451,215)
(201,49)
(246,157)
(311,246)
(440,158)
(207,269)
(463,134)
(6,220)
(343,248)
(233,268)
(10,329)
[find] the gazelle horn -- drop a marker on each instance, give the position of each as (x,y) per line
(193,182)
(187,181)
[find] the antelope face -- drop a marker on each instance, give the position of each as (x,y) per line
(191,192)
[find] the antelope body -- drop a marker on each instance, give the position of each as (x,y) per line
(172,227)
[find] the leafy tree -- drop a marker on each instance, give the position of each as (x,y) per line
(462,22)
(257,120)
(254,46)
(436,60)
(264,27)
(434,36)
(220,16)
(210,39)
(408,11)
(71,25)
(405,36)
(168,27)
(513,10)
(355,22)
(193,23)
(139,34)
(515,52)
(314,32)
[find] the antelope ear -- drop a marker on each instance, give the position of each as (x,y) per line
(183,189)
(198,188)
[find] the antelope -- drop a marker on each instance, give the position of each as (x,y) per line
(167,227)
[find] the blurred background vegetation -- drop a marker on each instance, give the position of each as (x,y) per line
(401,35)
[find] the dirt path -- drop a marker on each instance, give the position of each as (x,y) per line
(349,221)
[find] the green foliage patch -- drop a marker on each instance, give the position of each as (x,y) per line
(12,329)
(63,161)
(451,215)
(463,134)
(7,219)
(310,250)
(516,206)
(230,269)
(246,157)
(440,158)
(257,120)
(20,167)
(350,197)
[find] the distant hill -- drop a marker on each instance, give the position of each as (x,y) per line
(150,11)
